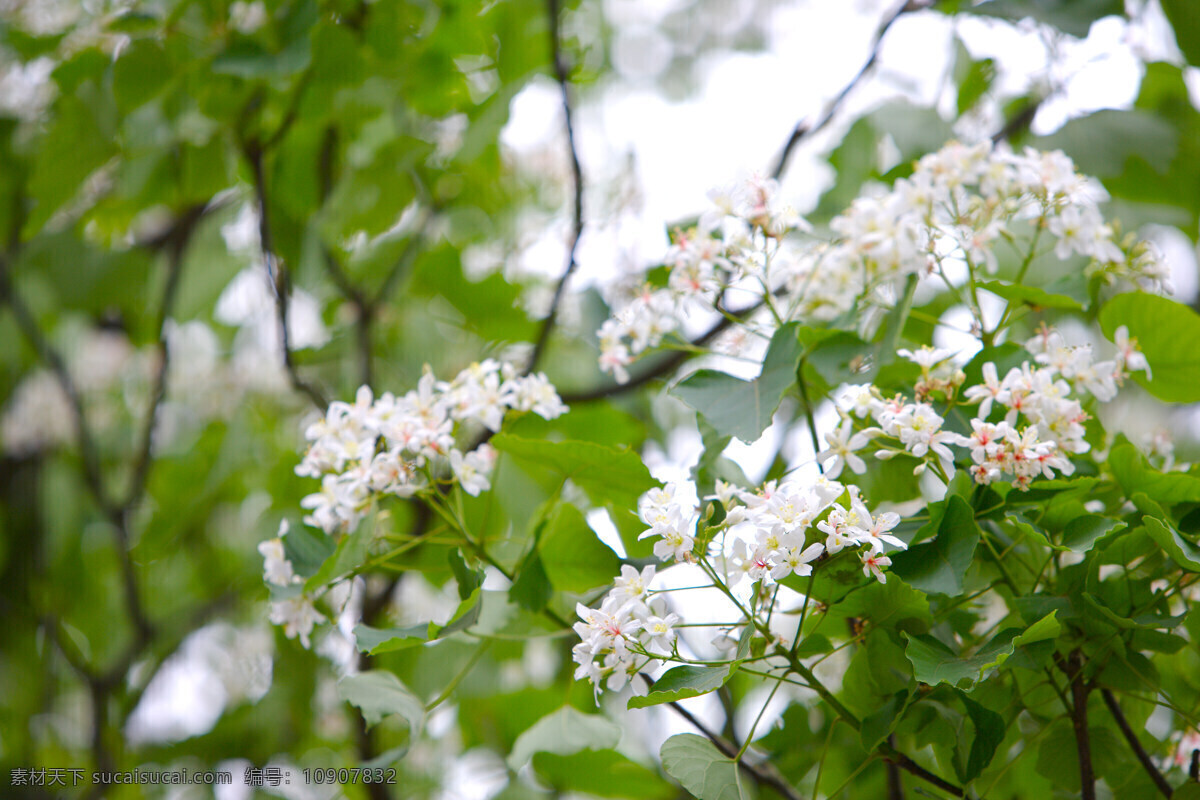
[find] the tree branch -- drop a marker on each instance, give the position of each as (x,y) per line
(663,367)
(1072,667)
(560,73)
(804,129)
(895,781)
(1019,123)
(280,278)
(88,452)
(913,768)
(1143,757)
(176,242)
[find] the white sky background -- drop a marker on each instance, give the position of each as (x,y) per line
(736,124)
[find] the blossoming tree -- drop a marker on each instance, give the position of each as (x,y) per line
(422,526)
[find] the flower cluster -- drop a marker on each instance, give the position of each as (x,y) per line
(946,217)
(781,529)
(625,634)
(1042,425)
(398,445)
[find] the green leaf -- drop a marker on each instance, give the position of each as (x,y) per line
(1184,16)
(601,773)
(878,726)
(1056,757)
(989,733)
(701,768)
(1134,473)
(1070,16)
(1082,533)
(385,640)
(573,557)
(379,693)
(813,644)
(933,662)
(939,566)
(531,590)
(1188,791)
(1182,551)
(1166,332)
(307,549)
(467,580)
(975,82)
(744,408)
(612,477)
(466,615)
(564,732)
(1103,142)
(603,472)
(75,146)
(894,605)
(679,683)
(140,72)
(1030,295)
(350,554)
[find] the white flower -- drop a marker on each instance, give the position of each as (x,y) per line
(876,532)
(1129,355)
(919,428)
(631,584)
(927,357)
(276,567)
(472,469)
(675,544)
(842,442)
(795,561)
(986,392)
(872,563)
(659,631)
(297,616)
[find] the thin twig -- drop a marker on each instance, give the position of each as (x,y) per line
(560,74)
(913,768)
(663,367)
(1019,122)
(803,128)
(279,276)
(1143,757)
(88,452)
(176,243)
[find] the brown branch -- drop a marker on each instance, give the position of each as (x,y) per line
(176,242)
(913,768)
(279,275)
(363,311)
(1072,667)
(803,128)
(895,781)
(1019,123)
(560,74)
(664,367)
(1142,756)
(88,453)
